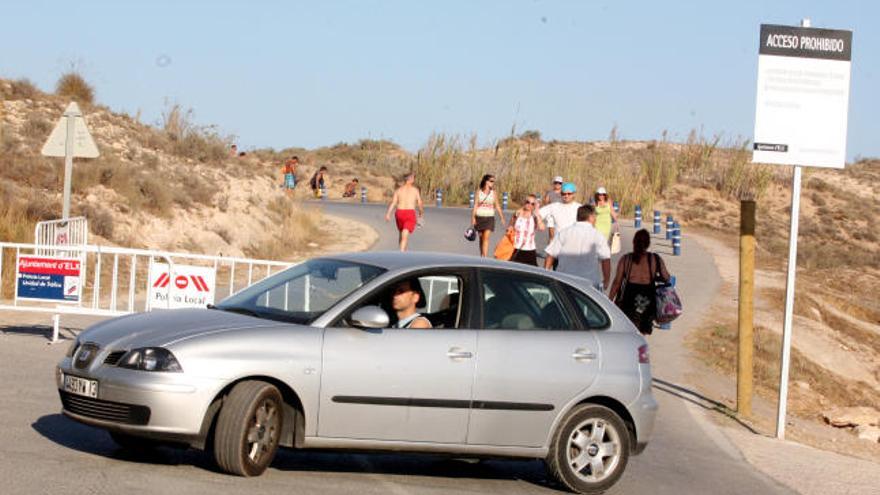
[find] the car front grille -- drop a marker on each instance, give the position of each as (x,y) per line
(105,410)
(113,358)
(85,354)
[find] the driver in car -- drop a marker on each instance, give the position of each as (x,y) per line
(406,296)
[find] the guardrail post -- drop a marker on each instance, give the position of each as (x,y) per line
(472,199)
(439,198)
(676,240)
(363,194)
(56,327)
(638,217)
(323,192)
(504,197)
(669,222)
(656,221)
(668,325)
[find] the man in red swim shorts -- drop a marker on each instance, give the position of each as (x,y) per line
(406,199)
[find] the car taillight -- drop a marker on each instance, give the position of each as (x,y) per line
(644,357)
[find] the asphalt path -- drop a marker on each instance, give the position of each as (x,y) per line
(43,452)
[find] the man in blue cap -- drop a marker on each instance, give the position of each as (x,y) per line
(564,214)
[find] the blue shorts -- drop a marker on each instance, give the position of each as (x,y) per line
(289,181)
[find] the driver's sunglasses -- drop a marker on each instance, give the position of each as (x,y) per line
(567,194)
(531,203)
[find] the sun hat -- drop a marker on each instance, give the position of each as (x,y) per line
(569,187)
(602,190)
(470,234)
(558,178)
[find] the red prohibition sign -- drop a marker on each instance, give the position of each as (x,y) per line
(181,282)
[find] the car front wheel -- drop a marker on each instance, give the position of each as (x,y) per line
(248,428)
(589,450)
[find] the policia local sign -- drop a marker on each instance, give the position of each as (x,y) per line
(803,96)
(41,278)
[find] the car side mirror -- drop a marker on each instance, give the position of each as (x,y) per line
(370,317)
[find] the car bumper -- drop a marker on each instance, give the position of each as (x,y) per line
(644,413)
(166,404)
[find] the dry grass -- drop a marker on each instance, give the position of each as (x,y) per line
(298,225)
(636,174)
(188,140)
(718,347)
(21,89)
(73,85)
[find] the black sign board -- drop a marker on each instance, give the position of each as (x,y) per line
(788,41)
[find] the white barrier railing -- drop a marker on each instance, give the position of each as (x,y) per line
(70,232)
(127,271)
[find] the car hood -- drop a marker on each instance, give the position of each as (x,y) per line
(161,327)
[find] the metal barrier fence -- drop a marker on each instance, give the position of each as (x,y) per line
(120,278)
(70,232)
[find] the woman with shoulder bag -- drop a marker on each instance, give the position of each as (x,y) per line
(523,225)
(635,283)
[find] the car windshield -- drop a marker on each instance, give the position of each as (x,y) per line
(301,293)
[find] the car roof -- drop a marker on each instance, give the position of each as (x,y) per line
(397,261)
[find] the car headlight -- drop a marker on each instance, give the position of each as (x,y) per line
(73,347)
(150,359)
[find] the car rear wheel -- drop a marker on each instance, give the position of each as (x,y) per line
(590,449)
(248,428)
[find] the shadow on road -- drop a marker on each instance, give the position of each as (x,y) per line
(82,438)
(76,436)
(700,400)
(45,331)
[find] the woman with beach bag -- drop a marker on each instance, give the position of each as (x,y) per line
(518,244)
(635,287)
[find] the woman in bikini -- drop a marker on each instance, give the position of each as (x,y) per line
(483,215)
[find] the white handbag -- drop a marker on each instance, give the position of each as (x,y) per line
(615,243)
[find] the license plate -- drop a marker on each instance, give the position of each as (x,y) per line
(81,386)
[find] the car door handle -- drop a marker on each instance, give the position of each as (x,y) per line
(456,353)
(583,355)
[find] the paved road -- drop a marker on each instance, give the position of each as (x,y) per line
(43,452)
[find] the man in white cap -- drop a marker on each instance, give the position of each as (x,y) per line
(554,195)
(564,214)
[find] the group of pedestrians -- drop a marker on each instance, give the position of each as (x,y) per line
(582,238)
(288,177)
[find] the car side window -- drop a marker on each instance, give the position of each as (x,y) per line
(592,315)
(441,301)
(512,302)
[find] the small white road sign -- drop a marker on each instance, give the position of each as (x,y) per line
(83,144)
(803,96)
(185,287)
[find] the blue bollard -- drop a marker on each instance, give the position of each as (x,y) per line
(504,201)
(323,192)
(668,326)
(616,206)
(472,199)
(669,223)
(439,198)
(638,217)
(363,194)
(656,221)
(676,239)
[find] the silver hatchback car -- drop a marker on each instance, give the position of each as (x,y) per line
(520,362)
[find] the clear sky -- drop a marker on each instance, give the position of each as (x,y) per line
(316,73)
